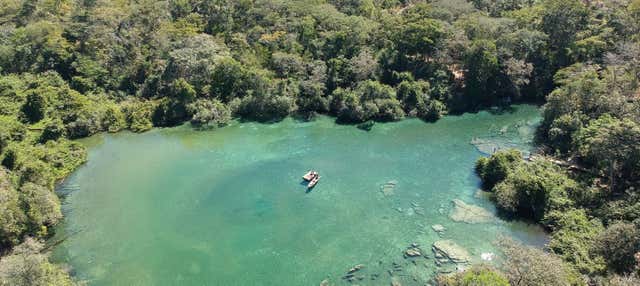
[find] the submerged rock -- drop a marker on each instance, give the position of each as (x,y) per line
(412,252)
(463,212)
(449,250)
(438,228)
(487,256)
(366,126)
(388,187)
(325,282)
(410,211)
(355,268)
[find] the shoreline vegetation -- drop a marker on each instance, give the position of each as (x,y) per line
(71,69)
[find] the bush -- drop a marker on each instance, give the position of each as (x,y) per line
(114,119)
(10,158)
(34,108)
(534,189)
(412,94)
(12,218)
(561,131)
(432,111)
(26,265)
(138,115)
(42,206)
(528,266)
(370,100)
(206,112)
(266,108)
(476,276)
(494,169)
(618,244)
(10,130)
(172,110)
(573,239)
(311,97)
(53,130)
(611,147)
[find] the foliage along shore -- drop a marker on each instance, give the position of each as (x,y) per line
(70,69)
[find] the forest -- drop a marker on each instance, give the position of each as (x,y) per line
(73,68)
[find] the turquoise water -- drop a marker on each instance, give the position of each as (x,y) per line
(227,207)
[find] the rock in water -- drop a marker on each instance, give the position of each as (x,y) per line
(463,212)
(366,126)
(395,282)
(412,252)
(438,228)
(451,251)
(324,282)
(487,256)
(355,268)
(388,187)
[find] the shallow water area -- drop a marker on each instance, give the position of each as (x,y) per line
(227,206)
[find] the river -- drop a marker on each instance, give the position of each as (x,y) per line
(177,206)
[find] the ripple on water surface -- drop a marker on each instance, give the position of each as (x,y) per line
(227,207)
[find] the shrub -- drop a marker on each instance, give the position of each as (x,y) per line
(432,111)
(494,169)
(10,130)
(42,206)
(209,112)
(138,115)
(573,237)
(34,108)
(528,266)
(534,189)
(610,146)
(618,244)
(476,276)
(26,265)
(53,130)
(12,218)
(265,108)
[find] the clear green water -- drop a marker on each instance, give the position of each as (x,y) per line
(226,207)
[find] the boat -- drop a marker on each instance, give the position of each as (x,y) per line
(310,175)
(313,182)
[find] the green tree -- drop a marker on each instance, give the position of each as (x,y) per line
(173,109)
(610,146)
(418,35)
(495,169)
(35,107)
(476,276)
(532,190)
(206,112)
(53,130)
(42,207)
(413,94)
(432,111)
(27,266)
(12,217)
(483,74)
(573,237)
(562,20)
(618,244)
(528,266)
